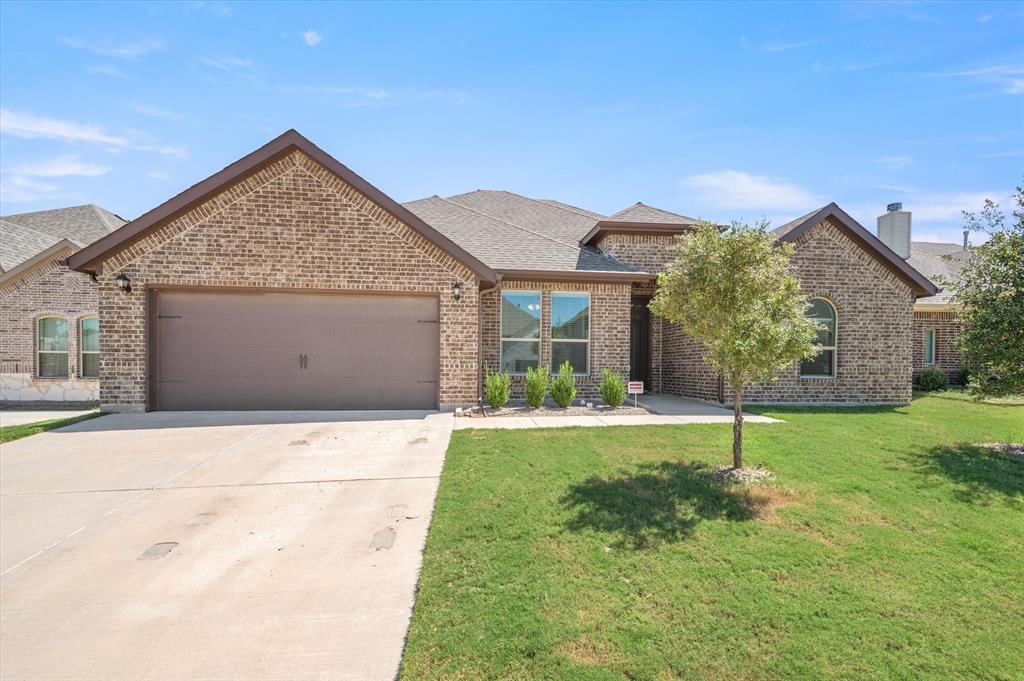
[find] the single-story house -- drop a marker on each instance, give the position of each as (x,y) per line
(286,281)
(49,314)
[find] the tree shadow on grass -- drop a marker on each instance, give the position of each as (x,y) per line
(661,502)
(981,472)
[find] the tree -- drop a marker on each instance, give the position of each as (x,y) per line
(991,295)
(733,292)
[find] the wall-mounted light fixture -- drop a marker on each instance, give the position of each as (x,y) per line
(457,291)
(123,283)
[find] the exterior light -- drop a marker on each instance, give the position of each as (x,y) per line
(123,283)
(457,291)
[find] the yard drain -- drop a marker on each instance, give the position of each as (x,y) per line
(200,519)
(158,550)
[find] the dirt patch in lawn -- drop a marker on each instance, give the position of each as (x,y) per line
(583,651)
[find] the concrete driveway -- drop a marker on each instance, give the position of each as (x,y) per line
(188,545)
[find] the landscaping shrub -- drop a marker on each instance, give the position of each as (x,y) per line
(931,379)
(961,376)
(612,388)
(563,387)
(537,381)
(497,389)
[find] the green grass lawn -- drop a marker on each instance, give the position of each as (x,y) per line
(890,546)
(9,433)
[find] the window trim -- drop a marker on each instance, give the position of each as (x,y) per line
(551,329)
(501,330)
(82,352)
(66,352)
(835,342)
(929,333)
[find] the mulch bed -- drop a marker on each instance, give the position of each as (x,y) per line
(520,408)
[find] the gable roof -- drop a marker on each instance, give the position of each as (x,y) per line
(941,261)
(640,212)
(25,235)
(87,259)
(639,219)
(853,229)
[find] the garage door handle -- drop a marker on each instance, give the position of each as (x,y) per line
(303,361)
(426,381)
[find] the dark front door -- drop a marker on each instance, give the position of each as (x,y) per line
(640,342)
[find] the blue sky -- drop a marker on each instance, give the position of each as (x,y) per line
(711,110)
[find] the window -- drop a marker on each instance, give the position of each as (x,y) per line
(570,331)
(824,364)
(52,339)
(89,340)
(520,331)
(929,346)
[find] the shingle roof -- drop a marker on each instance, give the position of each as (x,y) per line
(511,232)
(941,263)
(25,235)
(640,212)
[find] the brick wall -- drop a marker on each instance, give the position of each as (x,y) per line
(609,329)
(948,358)
(293,225)
(49,290)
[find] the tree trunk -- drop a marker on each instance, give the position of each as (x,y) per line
(737,428)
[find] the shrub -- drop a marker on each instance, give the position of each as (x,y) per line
(612,388)
(931,379)
(563,387)
(961,376)
(537,381)
(497,389)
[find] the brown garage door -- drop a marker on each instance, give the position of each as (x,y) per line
(286,351)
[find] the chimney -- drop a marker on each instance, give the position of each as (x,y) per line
(894,229)
(966,242)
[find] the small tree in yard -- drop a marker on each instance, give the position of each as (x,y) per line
(991,293)
(732,292)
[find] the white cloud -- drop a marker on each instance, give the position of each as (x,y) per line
(894,162)
(157,112)
(352,97)
(132,50)
(312,38)
(1009,78)
(1004,154)
(215,8)
(776,46)
(108,70)
(28,126)
(227,69)
(228,63)
(17,189)
(734,189)
(983,18)
(61,166)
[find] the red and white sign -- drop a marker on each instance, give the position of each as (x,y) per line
(635,388)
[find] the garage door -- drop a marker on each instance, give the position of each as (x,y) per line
(284,351)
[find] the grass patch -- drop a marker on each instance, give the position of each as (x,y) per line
(890,546)
(11,433)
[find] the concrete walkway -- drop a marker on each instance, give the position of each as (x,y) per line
(20,417)
(667,410)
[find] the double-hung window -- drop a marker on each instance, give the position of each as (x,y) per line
(89,340)
(52,347)
(520,331)
(570,331)
(822,365)
(929,346)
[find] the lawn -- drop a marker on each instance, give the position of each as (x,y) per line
(10,433)
(890,546)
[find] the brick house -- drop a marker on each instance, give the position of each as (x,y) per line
(286,281)
(49,314)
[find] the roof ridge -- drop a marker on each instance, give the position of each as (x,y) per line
(510,224)
(559,205)
(102,218)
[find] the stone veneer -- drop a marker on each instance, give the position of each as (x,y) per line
(609,329)
(291,225)
(51,289)
(948,358)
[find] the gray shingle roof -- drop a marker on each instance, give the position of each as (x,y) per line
(941,263)
(640,212)
(24,235)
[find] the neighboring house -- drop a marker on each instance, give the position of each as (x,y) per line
(49,321)
(286,281)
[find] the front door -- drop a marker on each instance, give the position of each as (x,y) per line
(640,341)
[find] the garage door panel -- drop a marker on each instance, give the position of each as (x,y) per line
(242,351)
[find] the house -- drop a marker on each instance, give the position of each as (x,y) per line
(286,281)
(49,323)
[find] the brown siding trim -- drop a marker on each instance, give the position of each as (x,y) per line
(588,275)
(86,260)
(606,227)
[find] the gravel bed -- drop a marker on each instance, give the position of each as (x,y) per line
(520,408)
(1014,450)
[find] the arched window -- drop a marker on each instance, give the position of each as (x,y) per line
(52,347)
(89,342)
(822,365)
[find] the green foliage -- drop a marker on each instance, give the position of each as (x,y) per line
(497,389)
(10,433)
(612,388)
(932,379)
(991,293)
(563,387)
(537,381)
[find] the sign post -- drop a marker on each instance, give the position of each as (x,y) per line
(635,388)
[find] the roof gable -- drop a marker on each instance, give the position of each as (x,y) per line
(87,259)
(640,212)
(791,231)
(80,225)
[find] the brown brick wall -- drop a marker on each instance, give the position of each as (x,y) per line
(50,290)
(948,358)
(609,329)
(291,225)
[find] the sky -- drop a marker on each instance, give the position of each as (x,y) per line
(718,111)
